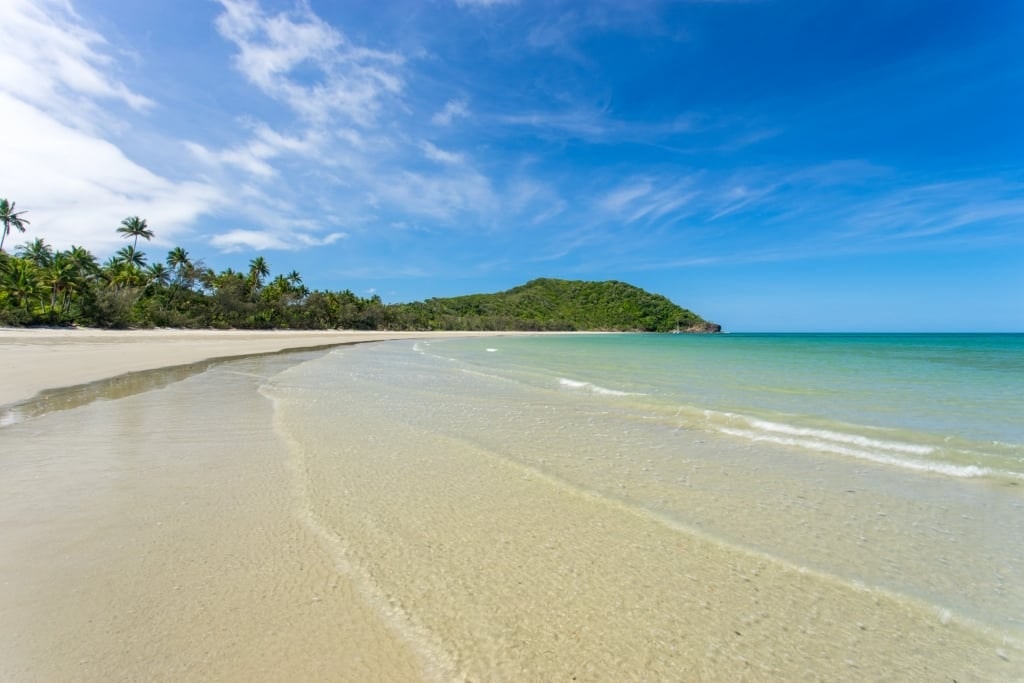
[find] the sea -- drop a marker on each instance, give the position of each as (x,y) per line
(632,506)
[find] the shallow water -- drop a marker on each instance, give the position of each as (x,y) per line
(499,509)
(489,497)
(154,535)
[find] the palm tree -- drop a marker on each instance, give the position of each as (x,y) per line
(178,259)
(10,219)
(21,280)
(133,226)
(130,257)
(81,268)
(295,281)
(37,251)
(84,261)
(258,269)
(156,273)
(58,276)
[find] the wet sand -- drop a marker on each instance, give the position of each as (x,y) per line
(148,529)
(39,359)
(152,538)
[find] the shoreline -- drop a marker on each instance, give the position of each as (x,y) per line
(39,360)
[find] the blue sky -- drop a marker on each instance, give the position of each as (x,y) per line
(772,165)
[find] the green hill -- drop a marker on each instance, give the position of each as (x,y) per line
(551,304)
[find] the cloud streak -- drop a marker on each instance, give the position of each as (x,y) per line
(347,80)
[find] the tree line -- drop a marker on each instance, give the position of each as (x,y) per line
(41,286)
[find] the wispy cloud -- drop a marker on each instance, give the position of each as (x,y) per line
(57,64)
(254,156)
(261,240)
(936,210)
(78,187)
(441,197)
(347,79)
(434,153)
(56,96)
(453,109)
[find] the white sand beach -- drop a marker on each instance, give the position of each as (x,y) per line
(37,359)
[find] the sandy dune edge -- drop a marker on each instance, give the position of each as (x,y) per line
(39,359)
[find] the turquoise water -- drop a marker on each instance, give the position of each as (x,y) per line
(945,404)
(888,467)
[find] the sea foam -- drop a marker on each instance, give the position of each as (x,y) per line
(841,444)
(593,388)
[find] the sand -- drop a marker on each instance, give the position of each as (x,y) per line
(39,359)
(155,537)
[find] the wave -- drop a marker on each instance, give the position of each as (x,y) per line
(840,437)
(593,388)
(891,453)
(962,471)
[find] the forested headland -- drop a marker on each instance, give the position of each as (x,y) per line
(43,286)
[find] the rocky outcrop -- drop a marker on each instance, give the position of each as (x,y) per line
(703,327)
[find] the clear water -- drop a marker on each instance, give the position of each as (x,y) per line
(950,404)
(879,475)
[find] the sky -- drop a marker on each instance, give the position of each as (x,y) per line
(773,165)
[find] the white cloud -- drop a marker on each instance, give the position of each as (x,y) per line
(265,145)
(77,187)
(438,196)
(621,197)
(260,240)
(350,80)
(434,153)
(54,62)
(453,109)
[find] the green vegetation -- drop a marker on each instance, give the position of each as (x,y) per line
(39,286)
(549,304)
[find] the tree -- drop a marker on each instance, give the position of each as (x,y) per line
(178,259)
(84,261)
(136,227)
(184,271)
(157,274)
(258,269)
(10,219)
(59,277)
(37,251)
(130,257)
(21,280)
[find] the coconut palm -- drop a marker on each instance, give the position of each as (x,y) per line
(80,268)
(84,261)
(129,256)
(136,227)
(178,259)
(58,277)
(21,280)
(11,219)
(258,269)
(37,251)
(158,274)
(184,271)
